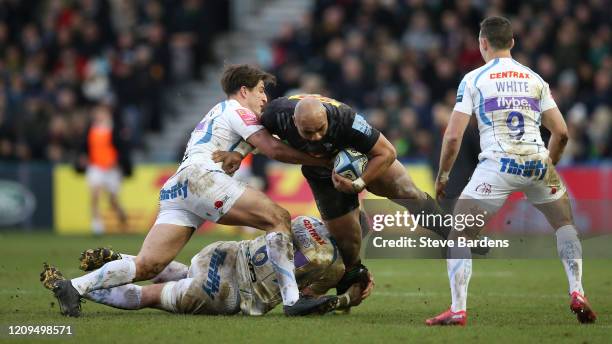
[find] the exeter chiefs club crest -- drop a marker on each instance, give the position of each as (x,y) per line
(484,188)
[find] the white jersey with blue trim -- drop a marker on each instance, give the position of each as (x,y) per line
(508,99)
(222,128)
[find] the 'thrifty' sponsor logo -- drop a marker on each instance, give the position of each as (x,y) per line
(176,190)
(532,168)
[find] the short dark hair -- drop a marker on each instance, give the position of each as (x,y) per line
(238,75)
(498,31)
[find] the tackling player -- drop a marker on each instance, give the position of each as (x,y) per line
(200,191)
(511,102)
(228,277)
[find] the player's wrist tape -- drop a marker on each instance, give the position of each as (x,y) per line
(443,176)
(244,148)
(358,184)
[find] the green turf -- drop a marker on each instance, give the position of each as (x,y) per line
(511,301)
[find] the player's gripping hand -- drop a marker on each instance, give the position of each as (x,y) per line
(351,298)
(369,286)
(360,275)
(343,184)
(230,160)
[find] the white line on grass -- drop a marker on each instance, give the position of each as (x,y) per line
(395,273)
(429,293)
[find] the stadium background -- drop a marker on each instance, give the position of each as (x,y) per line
(157,63)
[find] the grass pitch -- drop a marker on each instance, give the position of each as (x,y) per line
(518,301)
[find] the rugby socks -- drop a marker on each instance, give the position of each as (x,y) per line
(459,267)
(280,253)
(570,252)
(112,274)
(172,272)
(125,296)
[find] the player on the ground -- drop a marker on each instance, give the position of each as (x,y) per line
(228,277)
(511,102)
(200,191)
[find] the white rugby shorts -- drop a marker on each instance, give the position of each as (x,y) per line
(197,193)
(495,179)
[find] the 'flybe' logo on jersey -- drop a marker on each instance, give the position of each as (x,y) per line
(176,190)
(211,287)
(532,168)
(515,103)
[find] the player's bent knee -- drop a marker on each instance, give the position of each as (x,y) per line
(278,219)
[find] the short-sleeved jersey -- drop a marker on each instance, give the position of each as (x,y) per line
(222,128)
(318,265)
(346,128)
(508,99)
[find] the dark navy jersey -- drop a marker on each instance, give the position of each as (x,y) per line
(345,129)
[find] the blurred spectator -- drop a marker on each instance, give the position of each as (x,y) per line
(60,57)
(400,62)
(105,156)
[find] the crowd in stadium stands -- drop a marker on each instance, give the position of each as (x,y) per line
(397,61)
(59,59)
(400,62)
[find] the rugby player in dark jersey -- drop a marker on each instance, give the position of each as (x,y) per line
(321,127)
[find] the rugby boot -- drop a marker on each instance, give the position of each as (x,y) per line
(448,318)
(67,297)
(581,307)
(312,305)
(95,258)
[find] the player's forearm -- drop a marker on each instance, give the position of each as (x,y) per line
(286,154)
(552,119)
(450,149)
(556,146)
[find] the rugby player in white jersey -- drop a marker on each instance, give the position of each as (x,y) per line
(510,102)
(228,277)
(200,190)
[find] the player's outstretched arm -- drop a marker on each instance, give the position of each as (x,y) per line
(553,121)
(450,148)
(277,150)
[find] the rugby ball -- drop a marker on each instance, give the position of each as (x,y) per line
(350,163)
